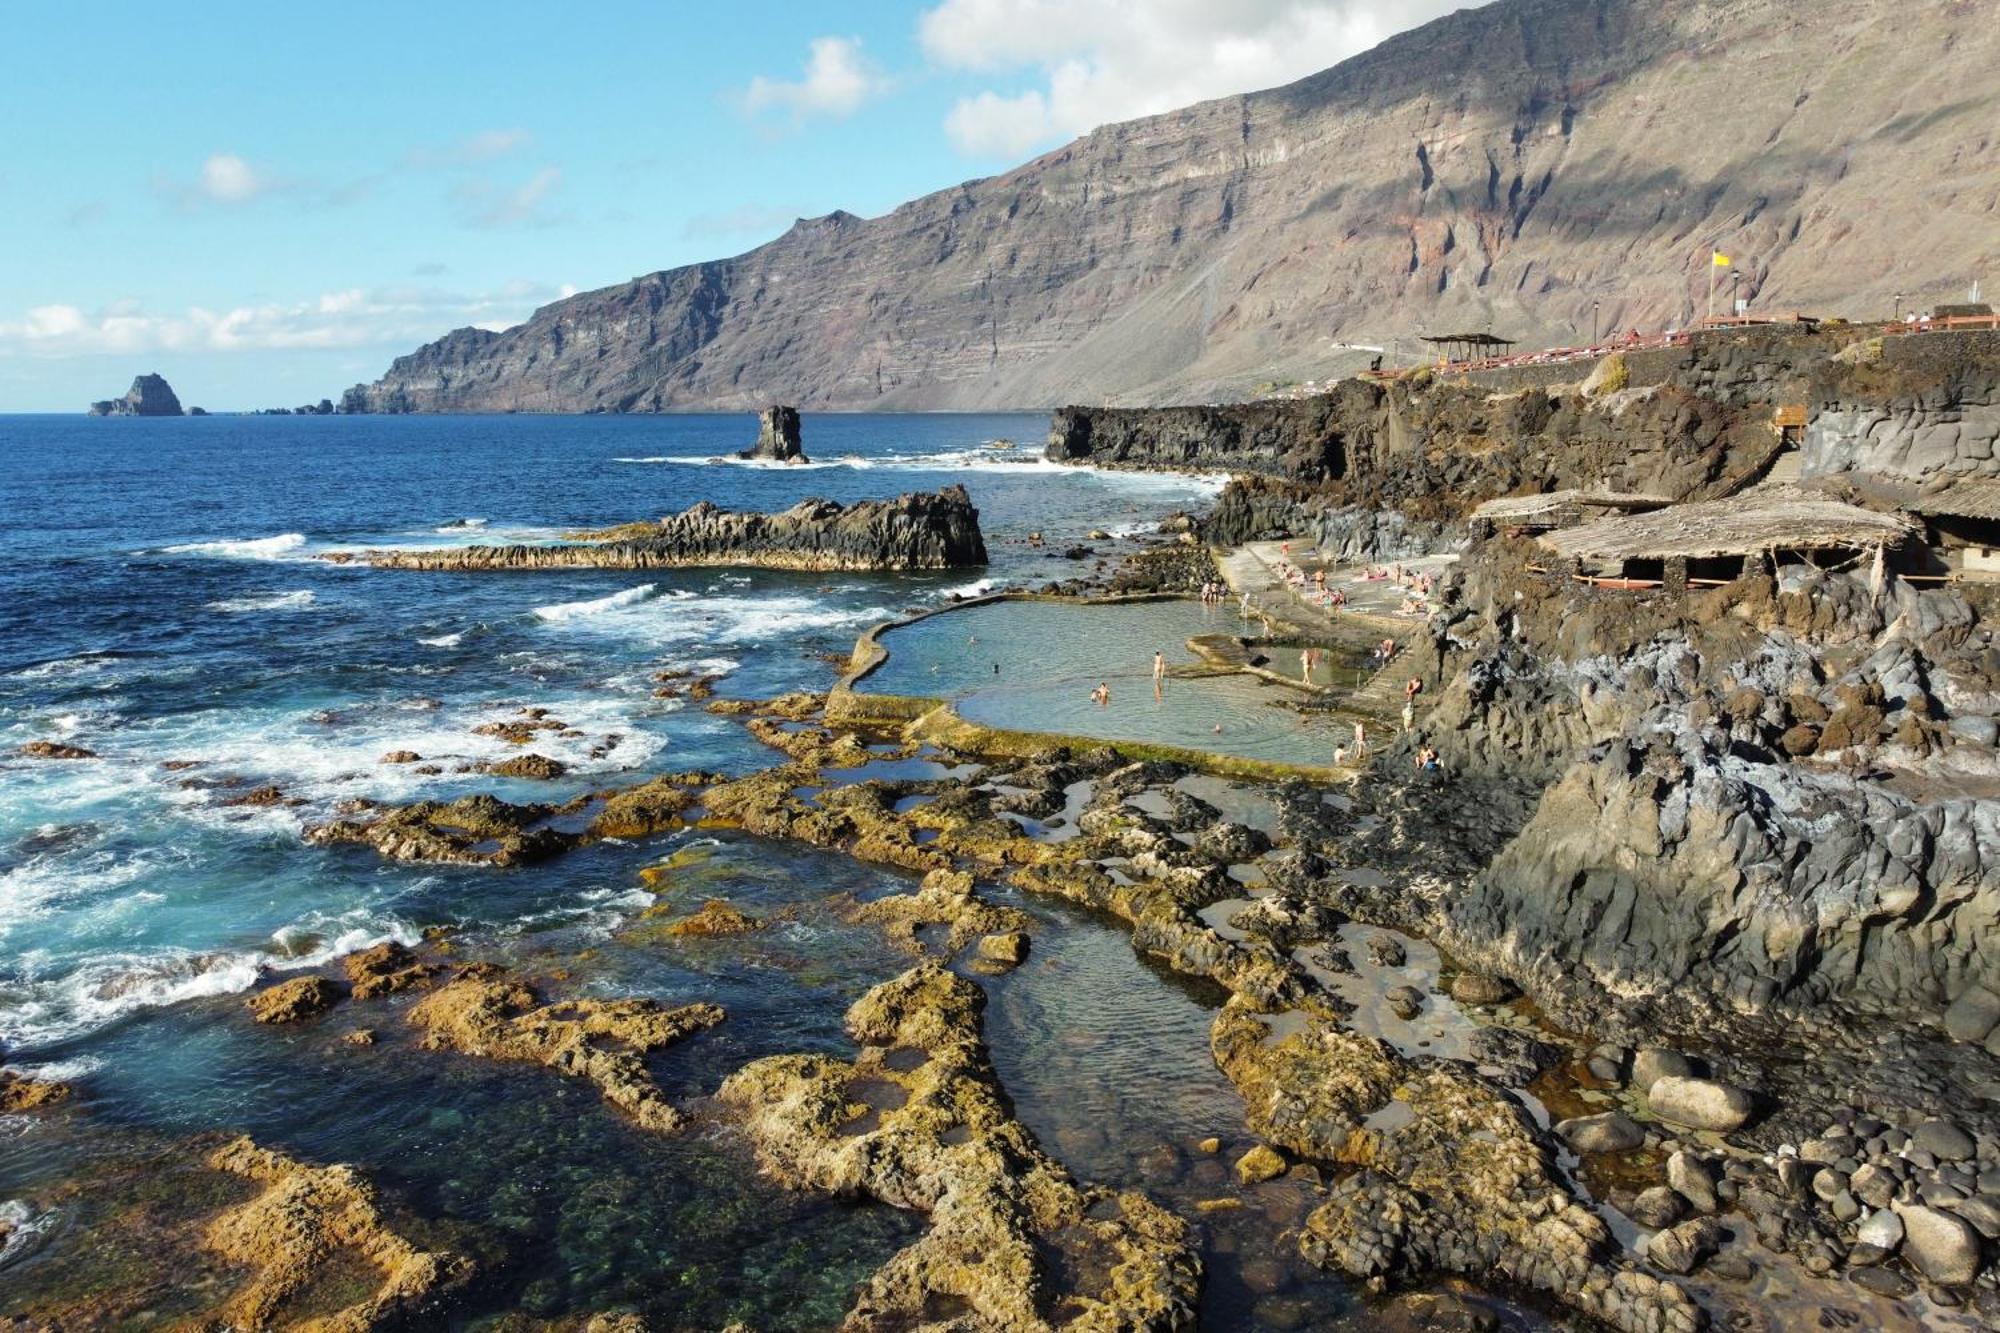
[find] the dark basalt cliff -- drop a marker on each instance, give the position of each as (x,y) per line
(149,396)
(911,532)
(1512,167)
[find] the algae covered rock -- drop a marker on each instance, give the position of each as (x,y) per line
(298,1231)
(601,1041)
(917,1120)
(294,1001)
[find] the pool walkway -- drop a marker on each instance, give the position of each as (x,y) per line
(1371,610)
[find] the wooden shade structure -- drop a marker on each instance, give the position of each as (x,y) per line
(1466,346)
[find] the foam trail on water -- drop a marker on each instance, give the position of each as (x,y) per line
(279,547)
(265,601)
(562,611)
(444,640)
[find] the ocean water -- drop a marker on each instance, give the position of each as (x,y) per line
(162,604)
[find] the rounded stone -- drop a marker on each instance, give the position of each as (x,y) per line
(1608,1132)
(1941,1247)
(1700,1103)
(1944,1141)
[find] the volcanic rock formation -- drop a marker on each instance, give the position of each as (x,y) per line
(916,531)
(777,437)
(149,396)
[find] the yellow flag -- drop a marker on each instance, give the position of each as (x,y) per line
(1721,259)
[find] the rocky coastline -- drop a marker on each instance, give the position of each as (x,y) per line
(912,532)
(1709,1005)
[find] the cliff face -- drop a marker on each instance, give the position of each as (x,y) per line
(149,396)
(1508,167)
(911,532)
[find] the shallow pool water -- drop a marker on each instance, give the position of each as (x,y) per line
(1034,642)
(1051,656)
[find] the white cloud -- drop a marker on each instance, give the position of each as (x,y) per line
(225,179)
(228,179)
(525,205)
(836,81)
(1100,61)
(355,317)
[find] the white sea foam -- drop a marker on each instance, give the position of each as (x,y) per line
(563,611)
(284,546)
(108,986)
(976,588)
(444,640)
(265,601)
(461,525)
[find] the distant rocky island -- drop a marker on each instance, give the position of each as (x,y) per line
(777,437)
(149,396)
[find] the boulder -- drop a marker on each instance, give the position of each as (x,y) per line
(1260,1164)
(1943,1140)
(1700,1103)
(1609,1132)
(294,1001)
(1682,1249)
(1972,1015)
(1649,1066)
(1009,947)
(56,750)
(1692,1180)
(541,768)
(1941,1247)
(1477,988)
(777,437)
(1883,1230)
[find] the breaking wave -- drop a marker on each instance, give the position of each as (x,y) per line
(562,611)
(244,548)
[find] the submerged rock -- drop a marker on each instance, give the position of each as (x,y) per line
(1458,1178)
(298,1231)
(1014,1242)
(716,917)
(56,750)
(18,1092)
(602,1041)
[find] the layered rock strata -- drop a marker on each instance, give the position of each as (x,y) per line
(911,532)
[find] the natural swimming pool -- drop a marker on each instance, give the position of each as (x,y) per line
(1032,666)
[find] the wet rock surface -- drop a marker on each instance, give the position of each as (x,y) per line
(302,1223)
(604,1042)
(1014,1242)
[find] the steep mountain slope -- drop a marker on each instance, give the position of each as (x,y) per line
(1506,167)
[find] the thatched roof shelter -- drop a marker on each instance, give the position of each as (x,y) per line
(1562,509)
(1771,518)
(1966,497)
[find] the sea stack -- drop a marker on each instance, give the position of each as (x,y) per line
(777,436)
(149,396)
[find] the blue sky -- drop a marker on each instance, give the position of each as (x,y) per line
(268,202)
